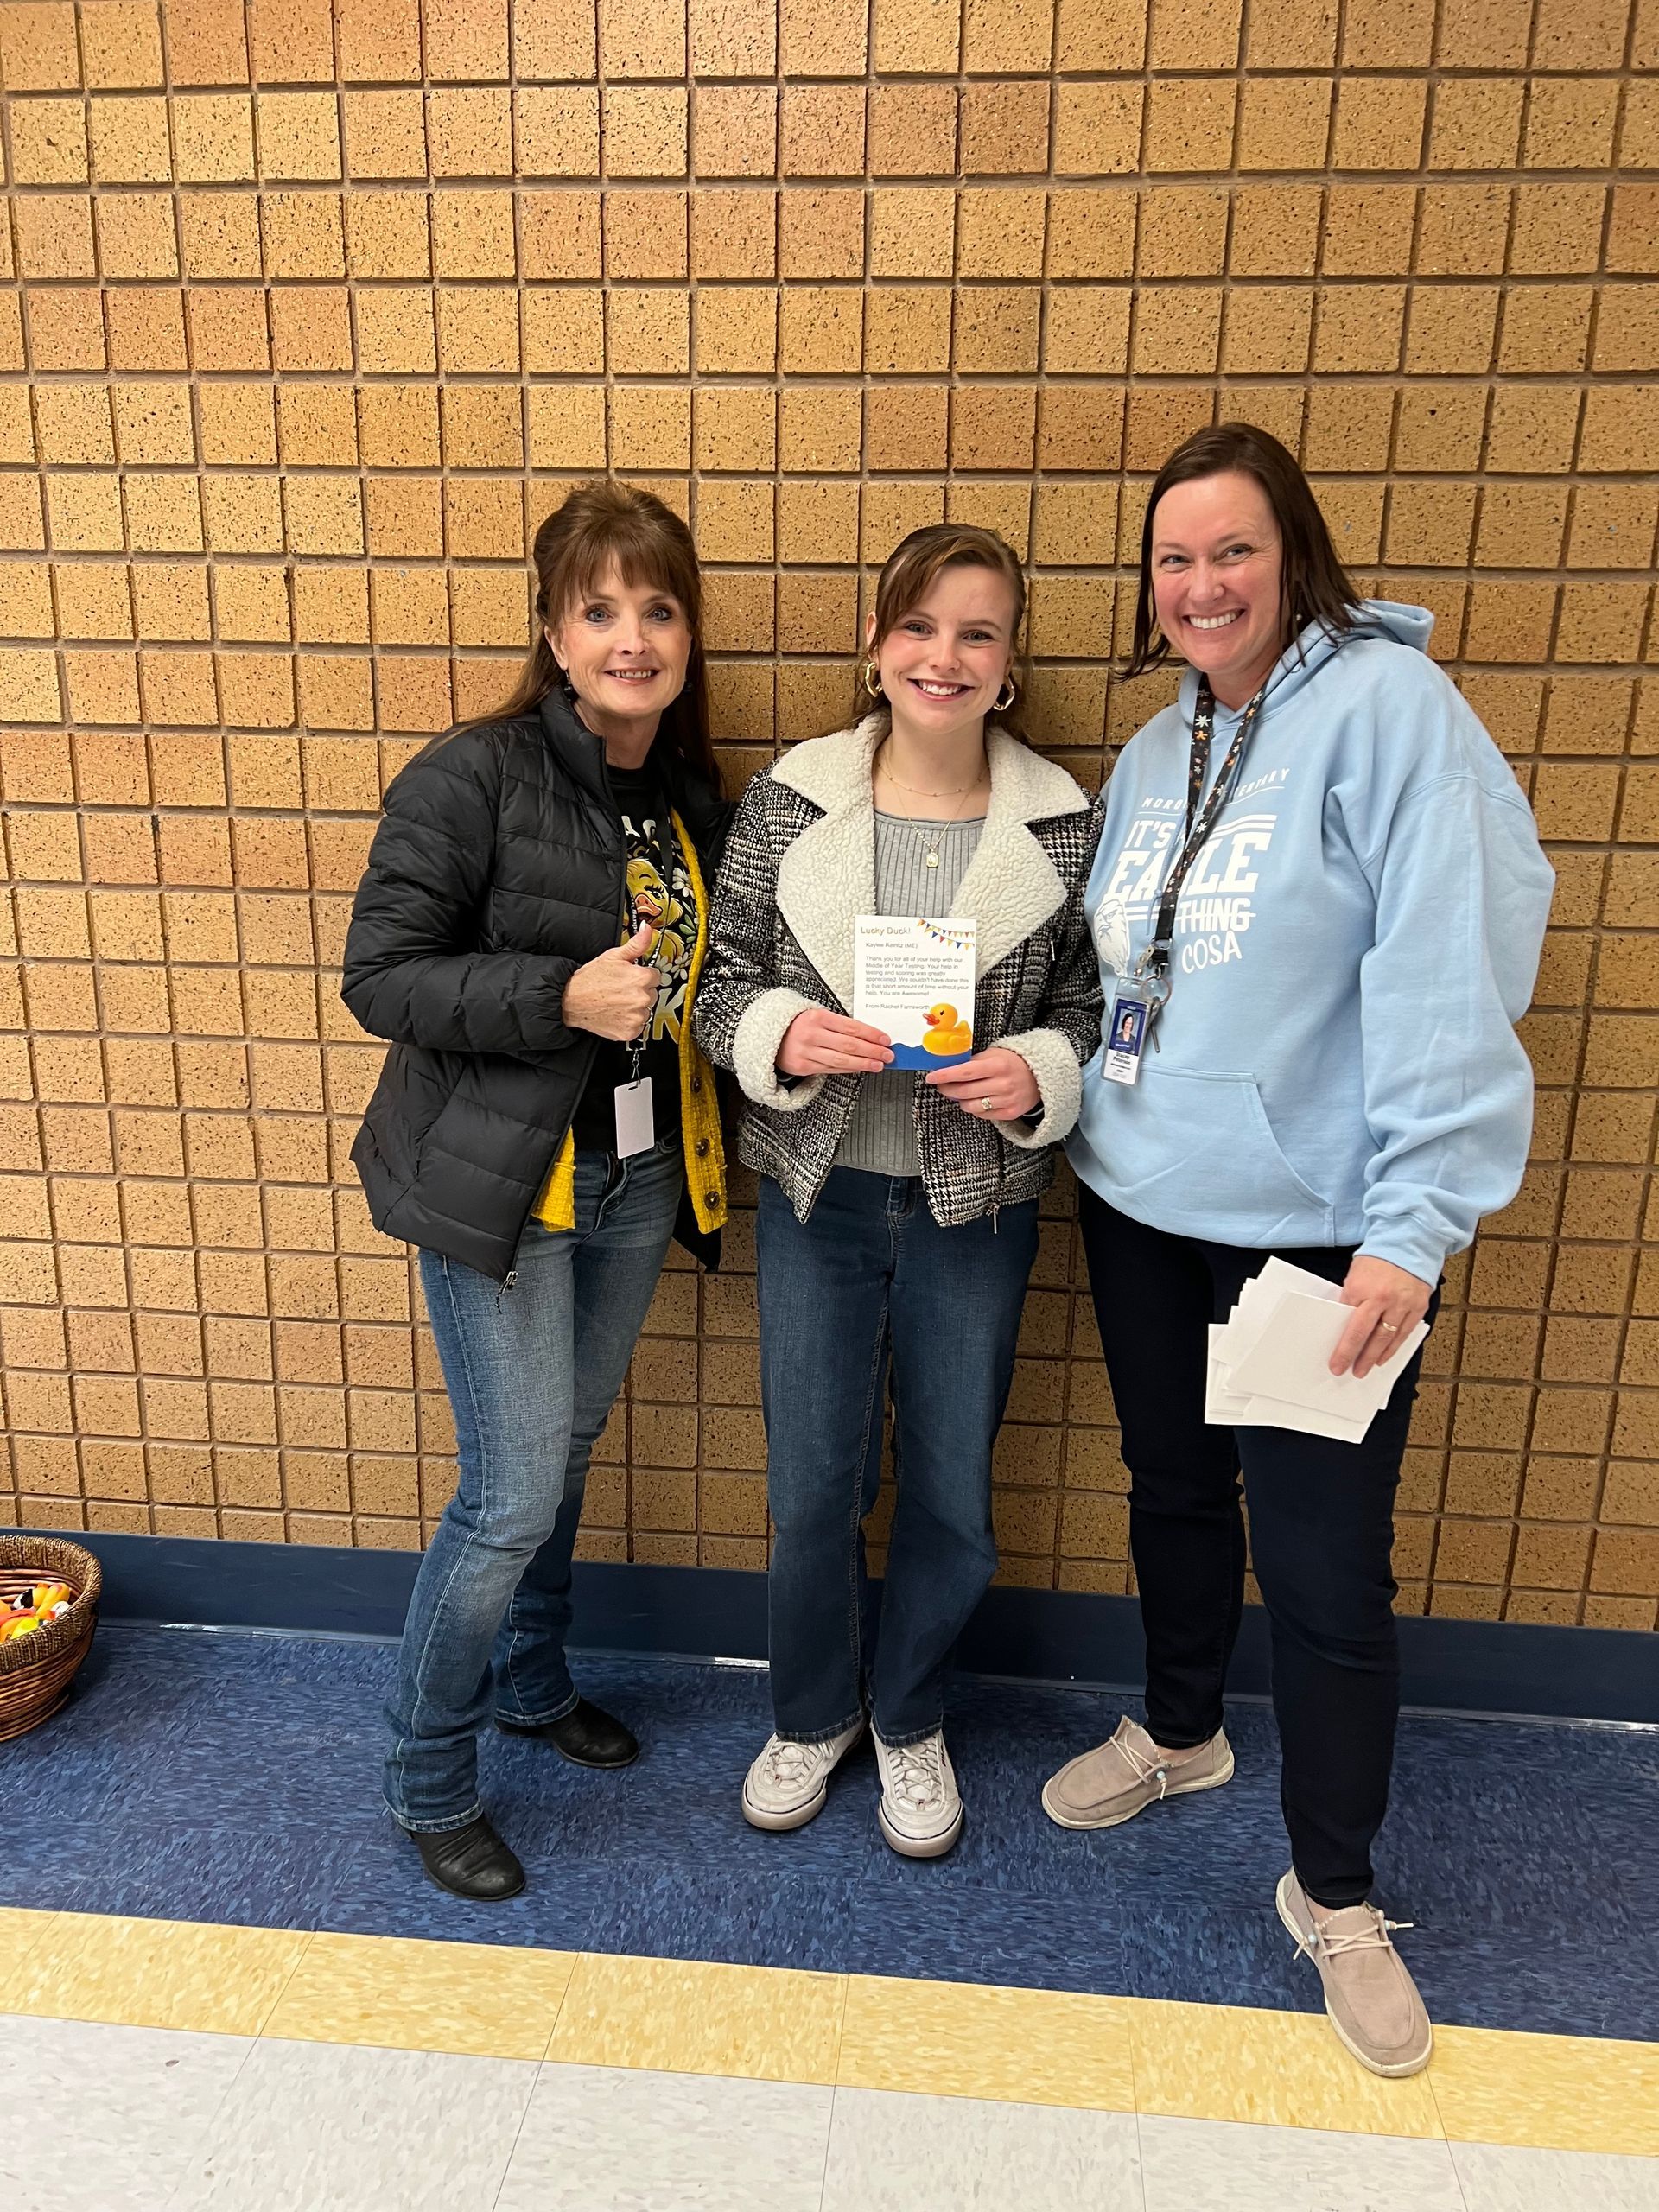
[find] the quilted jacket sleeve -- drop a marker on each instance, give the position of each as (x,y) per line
(409,974)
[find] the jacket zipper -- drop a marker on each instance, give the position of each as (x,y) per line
(511,1276)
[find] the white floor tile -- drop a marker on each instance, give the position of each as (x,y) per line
(603,2139)
(1496,2179)
(105,2120)
(1216,2165)
(893,2153)
(316,2127)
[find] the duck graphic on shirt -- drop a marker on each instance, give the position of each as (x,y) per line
(666,911)
(656,907)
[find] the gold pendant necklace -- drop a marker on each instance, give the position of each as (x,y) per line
(931,852)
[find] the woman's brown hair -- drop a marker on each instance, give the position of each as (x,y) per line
(1313,586)
(602,526)
(911,569)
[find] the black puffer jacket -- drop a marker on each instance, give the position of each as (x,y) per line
(496,872)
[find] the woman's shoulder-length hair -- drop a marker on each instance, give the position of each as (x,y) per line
(601,527)
(1315,586)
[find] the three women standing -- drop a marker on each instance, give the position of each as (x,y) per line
(1321,885)
(897,1214)
(1316,910)
(529,935)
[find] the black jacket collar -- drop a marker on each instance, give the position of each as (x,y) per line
(581,754)
(578,751)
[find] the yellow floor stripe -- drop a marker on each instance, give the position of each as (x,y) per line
(763,2023)
(1025,2046)
(478,2001)
(1279,2069)
(1011,2046)
(1547,2093)
(20,1934)
(155,1974)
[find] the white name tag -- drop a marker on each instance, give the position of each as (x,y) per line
(636,1123)
(1125,1039)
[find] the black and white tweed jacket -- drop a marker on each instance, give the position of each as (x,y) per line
(800,864)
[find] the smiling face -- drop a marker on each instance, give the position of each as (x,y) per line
(1217,564)
(625,648)
(945,659)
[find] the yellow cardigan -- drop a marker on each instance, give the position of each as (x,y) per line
(705,1154)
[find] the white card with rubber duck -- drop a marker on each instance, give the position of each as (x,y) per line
(913,980)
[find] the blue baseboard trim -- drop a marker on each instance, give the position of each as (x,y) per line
(1590,1673)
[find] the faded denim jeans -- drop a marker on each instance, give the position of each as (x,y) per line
(532,1373)
(870,1281)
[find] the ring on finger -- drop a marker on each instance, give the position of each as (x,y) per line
(1393,1327)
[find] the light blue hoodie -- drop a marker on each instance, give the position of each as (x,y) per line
(1338,1063)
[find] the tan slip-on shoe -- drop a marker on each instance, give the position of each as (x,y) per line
(1122,1777)
(1371,1998)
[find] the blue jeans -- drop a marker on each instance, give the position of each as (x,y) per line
(533,1374)
(869,1281)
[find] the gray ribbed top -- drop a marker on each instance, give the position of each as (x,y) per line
(880,1137)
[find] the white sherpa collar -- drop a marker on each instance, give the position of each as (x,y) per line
(828,875)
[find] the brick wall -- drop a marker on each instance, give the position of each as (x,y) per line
(304,316)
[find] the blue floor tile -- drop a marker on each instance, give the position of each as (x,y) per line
(238,1778)
(1205,1955)
(254,1878)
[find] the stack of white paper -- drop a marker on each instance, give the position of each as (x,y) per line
(1270,1360)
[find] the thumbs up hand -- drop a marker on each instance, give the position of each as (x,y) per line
(613,996)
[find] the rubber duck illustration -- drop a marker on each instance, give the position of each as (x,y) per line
(653,902)
(945,1033)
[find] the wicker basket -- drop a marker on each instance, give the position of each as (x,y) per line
(36,1671)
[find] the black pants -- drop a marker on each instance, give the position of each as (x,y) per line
(1321,1534)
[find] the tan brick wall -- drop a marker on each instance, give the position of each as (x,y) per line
(304,315)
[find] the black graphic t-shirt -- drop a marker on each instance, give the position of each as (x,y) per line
(664,899)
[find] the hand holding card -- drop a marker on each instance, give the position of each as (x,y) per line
(995,1085)
(1270,1360)
(821,1042)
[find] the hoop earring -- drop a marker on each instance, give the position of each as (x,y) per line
(1000,705)
(872,678)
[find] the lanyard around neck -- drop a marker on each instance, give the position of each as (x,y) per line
(1200,821)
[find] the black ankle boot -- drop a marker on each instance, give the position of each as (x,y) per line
(472,1862)
(586,1735)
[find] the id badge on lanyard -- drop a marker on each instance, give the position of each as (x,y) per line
(636,1120)
(1127,1029)
(1134,1005)
(1139,999)
(636,1116)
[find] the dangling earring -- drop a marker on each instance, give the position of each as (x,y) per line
(1000,705)
(872,678)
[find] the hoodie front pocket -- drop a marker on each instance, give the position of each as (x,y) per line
(1199,1149)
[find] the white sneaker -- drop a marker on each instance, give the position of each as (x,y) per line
(788,1783)
(920,1811)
